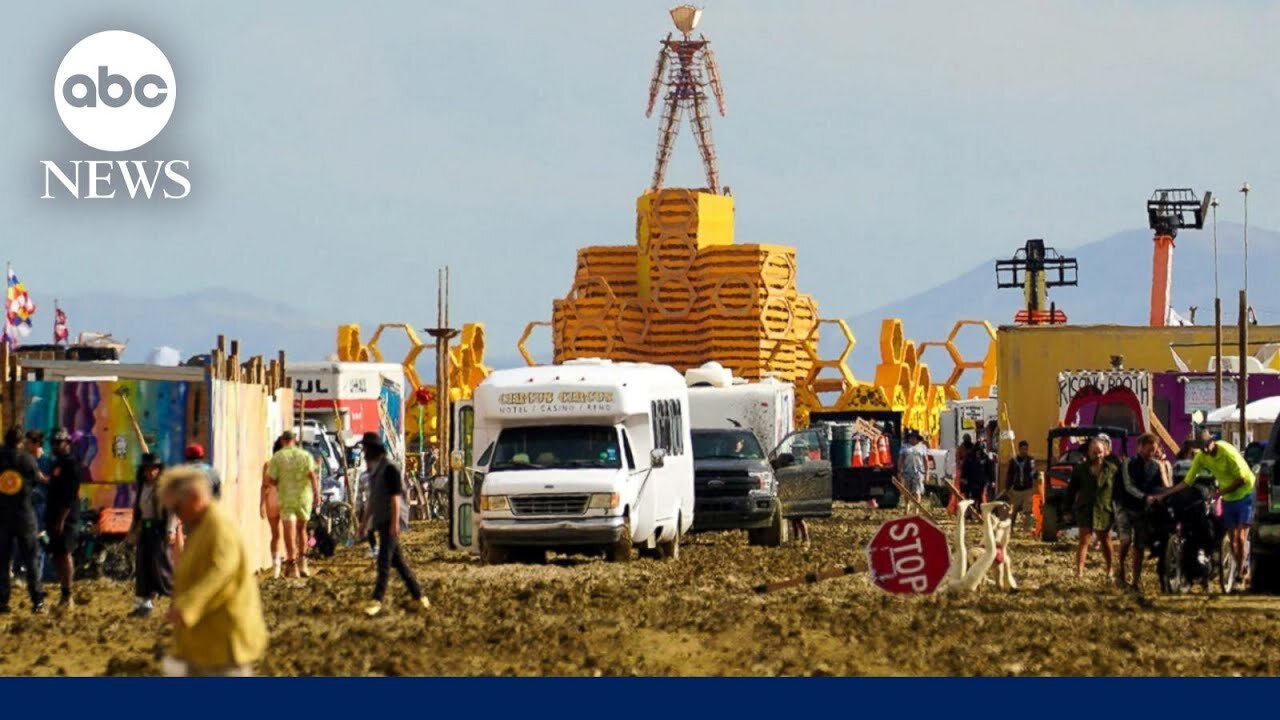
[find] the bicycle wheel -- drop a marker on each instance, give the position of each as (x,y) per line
(339,515)
(1173,580)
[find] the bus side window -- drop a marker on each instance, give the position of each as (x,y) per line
(626,450)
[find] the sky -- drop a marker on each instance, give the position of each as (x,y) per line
(340,152)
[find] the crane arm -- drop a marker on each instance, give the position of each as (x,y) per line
(713,75)
(655,84)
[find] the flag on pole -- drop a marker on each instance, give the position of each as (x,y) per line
(60,331)
(18,309)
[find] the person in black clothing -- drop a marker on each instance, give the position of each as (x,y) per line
(18,474)
(387,514)
(1020,482)
(1146,473)
(977,472)
(154,534)
(62,513)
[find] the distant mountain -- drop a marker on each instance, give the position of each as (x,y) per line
(192,322)
(1115,287)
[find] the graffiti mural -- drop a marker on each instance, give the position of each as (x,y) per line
(100,417)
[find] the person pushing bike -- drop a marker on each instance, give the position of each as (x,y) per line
(1235,486)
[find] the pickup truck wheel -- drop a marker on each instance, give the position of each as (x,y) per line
(492,554)
(776,534)
(623,550)
(1049,523)
(670,550)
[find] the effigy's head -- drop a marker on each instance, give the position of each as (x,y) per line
(686,18)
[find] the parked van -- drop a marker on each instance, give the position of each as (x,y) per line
(589,456)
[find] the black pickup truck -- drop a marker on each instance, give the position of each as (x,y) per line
(1264,539)
(736,487)
(859,484)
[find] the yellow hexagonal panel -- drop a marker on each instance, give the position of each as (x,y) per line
(522,344)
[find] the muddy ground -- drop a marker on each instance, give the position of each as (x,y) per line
(697,616)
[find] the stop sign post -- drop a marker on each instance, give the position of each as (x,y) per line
(908,556)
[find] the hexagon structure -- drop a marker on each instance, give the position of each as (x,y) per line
(810,342)
(959,364)
(891,341)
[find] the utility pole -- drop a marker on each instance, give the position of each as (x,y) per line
(442,334)
(1243,392)
(1217,315)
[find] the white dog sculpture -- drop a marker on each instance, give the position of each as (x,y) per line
(994,551)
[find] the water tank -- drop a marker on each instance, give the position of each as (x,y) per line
(712,373)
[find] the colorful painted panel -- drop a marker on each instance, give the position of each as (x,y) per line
(98,416)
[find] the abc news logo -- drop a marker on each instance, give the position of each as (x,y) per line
(115,92)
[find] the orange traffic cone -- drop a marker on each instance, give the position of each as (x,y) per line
(885,460)
(856,460)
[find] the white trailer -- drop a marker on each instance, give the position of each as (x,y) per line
(965,417)
(719,400)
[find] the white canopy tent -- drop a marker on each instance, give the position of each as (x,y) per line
(1259,416)
(1261,410)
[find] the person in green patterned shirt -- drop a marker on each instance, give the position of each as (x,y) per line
(294,472)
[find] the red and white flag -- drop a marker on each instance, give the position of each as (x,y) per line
(60,332)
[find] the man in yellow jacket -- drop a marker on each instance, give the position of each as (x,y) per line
(216,611)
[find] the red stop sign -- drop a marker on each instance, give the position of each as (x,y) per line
(908,555)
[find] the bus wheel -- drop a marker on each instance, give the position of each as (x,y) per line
(670,550)
(492,554)
(623,550)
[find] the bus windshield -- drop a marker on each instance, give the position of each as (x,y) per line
(556,446)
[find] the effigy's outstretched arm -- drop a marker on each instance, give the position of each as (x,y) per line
(713,76)
(656,83)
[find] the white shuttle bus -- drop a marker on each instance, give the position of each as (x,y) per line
(588,456)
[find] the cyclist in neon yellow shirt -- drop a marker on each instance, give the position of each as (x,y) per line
(1235,486)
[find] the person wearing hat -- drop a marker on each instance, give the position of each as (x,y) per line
(62,511)
(1235,486)
(18,474)
(387,513)
(195,455)
(293,470)
(153,534)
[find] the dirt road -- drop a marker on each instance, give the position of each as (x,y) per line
(697,616)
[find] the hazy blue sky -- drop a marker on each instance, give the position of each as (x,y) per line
(342,151)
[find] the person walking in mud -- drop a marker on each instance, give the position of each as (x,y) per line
(1020,483)
(33,444)
(977,472)
(154,534)
(216,611)
(1147,474)
(387,514)
(1089,497)
(1235,486)
(294,473)
(269,509)
(913,463)
(18,475)
(62,513)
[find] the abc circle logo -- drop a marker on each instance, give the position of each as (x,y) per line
(115,90)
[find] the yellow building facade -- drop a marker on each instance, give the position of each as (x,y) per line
(1029,358)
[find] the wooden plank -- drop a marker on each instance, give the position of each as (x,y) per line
(859,565)
(1163,433)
